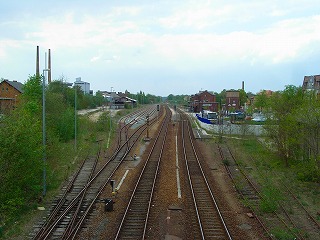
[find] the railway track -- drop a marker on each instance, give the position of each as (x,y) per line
(305,225)
(74,206)
(74,187)
(273,221)
(209,222)
(135,218)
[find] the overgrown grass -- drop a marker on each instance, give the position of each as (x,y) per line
(270,199)
(275,177)
(281,234)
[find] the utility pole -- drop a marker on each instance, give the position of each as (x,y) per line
(44,130)
(75,117)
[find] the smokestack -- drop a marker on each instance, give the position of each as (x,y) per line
(243,85)
(49,66)
(37,63)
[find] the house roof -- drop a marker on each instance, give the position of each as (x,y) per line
(205,92)
(17,85)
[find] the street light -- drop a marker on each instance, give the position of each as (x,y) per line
(44,129)
(111,97)
(75,117)
(111,100)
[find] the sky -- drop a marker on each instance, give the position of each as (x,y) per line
(163,47)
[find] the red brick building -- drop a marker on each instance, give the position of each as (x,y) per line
(10,92)
(232,100)
(203,100)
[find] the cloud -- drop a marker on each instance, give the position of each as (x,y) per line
(173,37)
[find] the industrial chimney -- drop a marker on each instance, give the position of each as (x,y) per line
(243,85)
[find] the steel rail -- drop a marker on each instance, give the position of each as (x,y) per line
(71,224)
(297,235)
(48,231)
(85,214)
(82,219)
(260,196)
(60,202)
(72,204)
(163,130)
(133,118)
(186,130)
(293,220)
(242,195)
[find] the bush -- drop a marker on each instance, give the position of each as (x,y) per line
(103,123)
(308,172)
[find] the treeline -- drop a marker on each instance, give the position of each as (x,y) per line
(21,146)
(293,126)
(143,98)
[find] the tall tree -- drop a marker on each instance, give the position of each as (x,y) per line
(286,133)
(261,100)
(21,152)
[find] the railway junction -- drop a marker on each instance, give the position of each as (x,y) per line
(158,181)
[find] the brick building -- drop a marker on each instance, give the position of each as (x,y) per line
(203,100)
(10,92)
(232,101)
(311,83)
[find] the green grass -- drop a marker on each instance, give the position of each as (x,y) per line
(272,174)
(270,199)
(281,234)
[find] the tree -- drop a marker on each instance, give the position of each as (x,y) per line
(21,153)
(261,100)
(308,118)
(285,129)
(32,94)
(243,97)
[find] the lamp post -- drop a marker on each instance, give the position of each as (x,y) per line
(111,97)
(75,117)
(44,129)
(111,100)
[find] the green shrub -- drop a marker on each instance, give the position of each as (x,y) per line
(308,171)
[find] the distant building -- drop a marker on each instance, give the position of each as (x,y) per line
(203,100)
(311,83)
(232,100)
(10,92)
(84,86)
(118,100)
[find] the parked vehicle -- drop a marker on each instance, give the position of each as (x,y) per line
(259,118)
(237,117)
(211,116)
